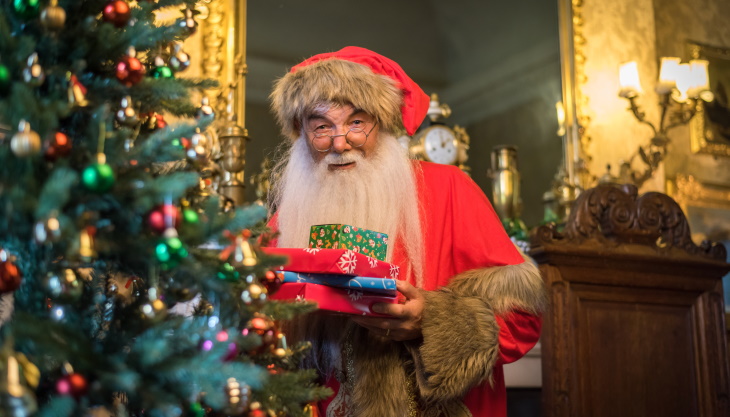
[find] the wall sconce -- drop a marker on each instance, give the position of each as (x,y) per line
(681,88)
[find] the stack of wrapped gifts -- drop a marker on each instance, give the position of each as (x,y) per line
(343,270)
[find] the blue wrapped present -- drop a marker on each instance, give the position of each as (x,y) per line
(366,284)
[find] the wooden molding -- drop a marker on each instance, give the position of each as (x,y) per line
(614,214)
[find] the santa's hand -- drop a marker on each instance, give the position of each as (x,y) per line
(406,321)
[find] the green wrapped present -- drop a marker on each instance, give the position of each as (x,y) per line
(345,236)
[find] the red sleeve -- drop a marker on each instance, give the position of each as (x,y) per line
(518,333)
(270,237)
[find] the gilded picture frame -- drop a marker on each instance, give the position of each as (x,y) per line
(710,128)
(221,52)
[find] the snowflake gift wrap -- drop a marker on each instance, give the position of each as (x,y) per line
(334,261)
(338,280)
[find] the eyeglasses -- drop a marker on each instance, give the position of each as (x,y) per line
(323,139)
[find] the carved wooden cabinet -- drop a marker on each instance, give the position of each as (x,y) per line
(636,326)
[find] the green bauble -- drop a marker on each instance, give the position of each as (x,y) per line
(170,251)
(162,71)
(5,81)
(190,216)
(197,410)
(27,9)
(228,273)
(98,177)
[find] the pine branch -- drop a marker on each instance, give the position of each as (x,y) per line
(58,406)
(56,191)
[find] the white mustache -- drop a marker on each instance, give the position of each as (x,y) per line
(343,158)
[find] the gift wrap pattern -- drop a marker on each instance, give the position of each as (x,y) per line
(333,261)
(337,300)
(345,236)
(366,284)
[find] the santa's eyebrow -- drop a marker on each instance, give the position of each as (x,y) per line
(317,115)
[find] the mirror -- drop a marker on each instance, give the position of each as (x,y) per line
(596,38)
(496,65)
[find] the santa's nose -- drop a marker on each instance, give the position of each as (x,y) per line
(340,143)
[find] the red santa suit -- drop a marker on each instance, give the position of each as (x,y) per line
(482,310)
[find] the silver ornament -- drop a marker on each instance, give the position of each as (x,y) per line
(205,112)
(188,21)
(127,115)
(33,73)
(48,230)
(179,60)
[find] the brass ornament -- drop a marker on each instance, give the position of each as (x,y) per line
(76,92)
(53,17)
(26,142)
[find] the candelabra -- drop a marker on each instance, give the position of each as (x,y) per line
(682,87)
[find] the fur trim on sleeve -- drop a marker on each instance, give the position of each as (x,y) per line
(460,334)
(511,287)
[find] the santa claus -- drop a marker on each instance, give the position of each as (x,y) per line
(472,301)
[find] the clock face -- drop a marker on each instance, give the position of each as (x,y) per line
(439,145)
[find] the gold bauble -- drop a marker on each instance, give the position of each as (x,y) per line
(26,142)
(53,17)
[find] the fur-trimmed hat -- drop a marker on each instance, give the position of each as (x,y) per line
(355,76)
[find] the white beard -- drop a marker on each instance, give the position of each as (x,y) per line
(378,194)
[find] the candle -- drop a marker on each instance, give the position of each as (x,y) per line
(628,76)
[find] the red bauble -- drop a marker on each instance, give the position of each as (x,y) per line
(130,71)
(272,281)
(73,384)
(58,146)
(164,217)
(256,413)
(10,276)
(117,12)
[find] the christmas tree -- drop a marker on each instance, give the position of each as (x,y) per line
(106,227)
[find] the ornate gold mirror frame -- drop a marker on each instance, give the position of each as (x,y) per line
(222,57)
(573,76)
(707,135)
(223,53)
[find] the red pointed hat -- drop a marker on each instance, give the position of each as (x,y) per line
(352,75)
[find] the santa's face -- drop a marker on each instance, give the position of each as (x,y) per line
(339,120)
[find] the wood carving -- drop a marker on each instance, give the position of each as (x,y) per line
(614,214)
(636,325)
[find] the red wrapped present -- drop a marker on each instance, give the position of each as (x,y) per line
(333,299)
(334,261)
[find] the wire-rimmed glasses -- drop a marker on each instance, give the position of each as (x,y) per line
(323,140)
